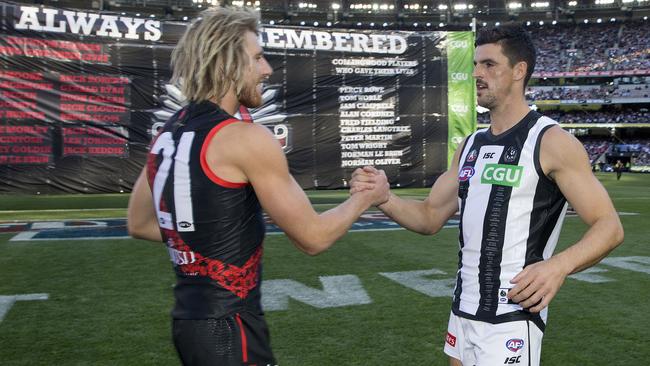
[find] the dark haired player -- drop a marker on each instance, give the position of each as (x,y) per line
(511,182)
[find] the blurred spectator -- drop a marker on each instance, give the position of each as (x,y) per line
(592,47)
(629,115)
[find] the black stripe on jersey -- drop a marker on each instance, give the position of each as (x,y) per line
(494,229)
(548,204)
(459,280)
(463,188)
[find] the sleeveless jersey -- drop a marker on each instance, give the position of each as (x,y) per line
(510,217)
(213,228)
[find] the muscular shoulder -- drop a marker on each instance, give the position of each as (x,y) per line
(243,137)
(252,146)
(560,150)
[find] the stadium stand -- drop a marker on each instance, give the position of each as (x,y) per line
(593,47)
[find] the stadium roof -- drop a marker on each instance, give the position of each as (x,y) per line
(387,13)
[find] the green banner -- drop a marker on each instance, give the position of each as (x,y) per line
(461,89)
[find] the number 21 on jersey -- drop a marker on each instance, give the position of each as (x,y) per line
(180,156)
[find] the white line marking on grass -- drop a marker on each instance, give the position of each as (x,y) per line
(6,302)
(63,210)
(29,238)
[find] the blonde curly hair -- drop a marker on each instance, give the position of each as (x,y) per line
(210,57)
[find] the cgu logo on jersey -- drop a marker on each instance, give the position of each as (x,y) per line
(515,344)
(502,175)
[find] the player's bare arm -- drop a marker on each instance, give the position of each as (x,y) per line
(424,217)
(247,152)
(564,160)
(142,222)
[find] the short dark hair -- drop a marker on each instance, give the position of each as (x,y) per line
(516,43)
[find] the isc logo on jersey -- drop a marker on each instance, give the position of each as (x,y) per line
(502,175)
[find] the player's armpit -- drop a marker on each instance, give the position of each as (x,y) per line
(142,222)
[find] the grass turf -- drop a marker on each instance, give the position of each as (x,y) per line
(109,300)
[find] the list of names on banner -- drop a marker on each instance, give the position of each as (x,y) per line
(54,49)
(20,144)
(31,98)
(99,99)
(367,127)
(94,141)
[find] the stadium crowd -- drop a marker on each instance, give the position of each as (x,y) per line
(605,92)
(639,149)
(586,116)
(593,47)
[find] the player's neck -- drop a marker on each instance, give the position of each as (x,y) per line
(508,114)
(229,103)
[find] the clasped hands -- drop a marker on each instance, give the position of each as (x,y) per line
(372,182)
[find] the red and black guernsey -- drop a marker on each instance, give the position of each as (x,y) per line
(213,228)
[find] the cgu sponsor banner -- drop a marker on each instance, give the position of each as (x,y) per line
(82,94)
(461,100)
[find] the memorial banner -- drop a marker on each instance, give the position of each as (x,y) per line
(83,94)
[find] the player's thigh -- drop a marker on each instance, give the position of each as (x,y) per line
(458,341)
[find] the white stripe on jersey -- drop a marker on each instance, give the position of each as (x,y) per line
(476,203)
(182,184)
(165,144)
(518,219)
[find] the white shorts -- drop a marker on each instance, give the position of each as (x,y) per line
(477,343)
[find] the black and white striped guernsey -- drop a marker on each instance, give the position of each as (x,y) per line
(510,217)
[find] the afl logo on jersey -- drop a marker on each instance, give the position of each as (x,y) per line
(515,344)
(511,154)
(472,156)
(465,173)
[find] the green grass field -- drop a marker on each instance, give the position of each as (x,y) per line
(109,300)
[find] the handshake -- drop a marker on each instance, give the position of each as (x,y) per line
(371,183)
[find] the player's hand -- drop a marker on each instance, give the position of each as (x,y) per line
(537,284)
(381,191)
(363,179)
(371,182)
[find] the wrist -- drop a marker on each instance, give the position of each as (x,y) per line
(384,204)
(565,264)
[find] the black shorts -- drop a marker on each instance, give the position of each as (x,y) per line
(238,339)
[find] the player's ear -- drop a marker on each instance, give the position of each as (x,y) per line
(519,70)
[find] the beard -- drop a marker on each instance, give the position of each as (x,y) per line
(488,101)
(250,97)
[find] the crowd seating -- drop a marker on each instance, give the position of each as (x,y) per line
(593,47)
(605,92)
(596,147)
(629,115)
